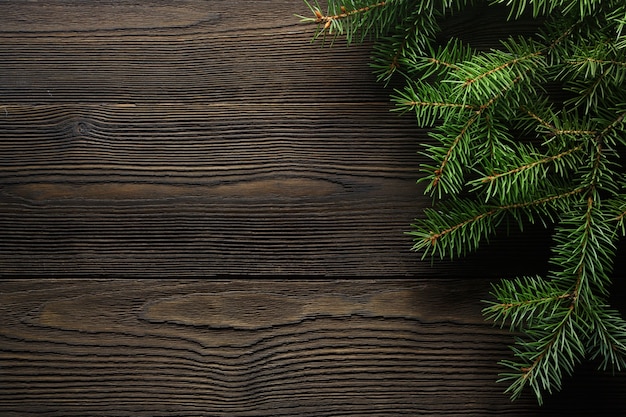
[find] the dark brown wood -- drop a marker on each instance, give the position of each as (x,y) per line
(160,139)
(262,348)
(198,138)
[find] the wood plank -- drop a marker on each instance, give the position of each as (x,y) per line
(193,52)
(263,347)
(194,139)
(208,189)
(199,138)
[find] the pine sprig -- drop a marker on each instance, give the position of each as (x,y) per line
(525,302)
(355,19)
(545,356)
(431,104)
(522,168)
(528,132)
(462,224)
(391,52)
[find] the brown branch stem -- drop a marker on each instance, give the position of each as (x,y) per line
(545,160)
(434,237)
(327,19)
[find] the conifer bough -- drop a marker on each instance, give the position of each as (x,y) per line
(529,132)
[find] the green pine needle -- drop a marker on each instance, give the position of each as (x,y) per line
(505,149)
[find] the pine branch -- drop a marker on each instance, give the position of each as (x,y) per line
(355,19)
(394,52)
(607,342)
(545,7)
(525,302)
(533,164)
(585,253)
(328,20)
(452,183)
(554,349)
(557,131)
(504,149)
(438,62)
(526,172)
(431,104)
(620,221)
(459,160)
(462,224)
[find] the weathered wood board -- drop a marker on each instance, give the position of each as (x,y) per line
(198,138)
(264,348)
(195,138)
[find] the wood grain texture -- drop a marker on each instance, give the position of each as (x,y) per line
(159,139)
(263,348)
(200,138)
(195,139)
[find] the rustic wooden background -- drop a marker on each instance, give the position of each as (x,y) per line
(153,151)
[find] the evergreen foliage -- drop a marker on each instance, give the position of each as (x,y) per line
(505,149)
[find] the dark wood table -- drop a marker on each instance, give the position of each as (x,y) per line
(204,213)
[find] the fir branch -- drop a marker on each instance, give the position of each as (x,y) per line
(544,7)
(505,149)
(327,20)
(522,302)
(607,341)
(513,183)
(386,66)
(620,221)
(544,200)
(505,65)
(436,104)
(560,348)
(429,103)
(438,173)
(585,259)
(352,17)
(612,128)
(453,222)
(591,63)
(439,63)
(435,237)
(531,165)
(554,349)
(396,51)
(555,131)
(436,62)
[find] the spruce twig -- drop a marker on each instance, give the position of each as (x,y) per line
(505,148)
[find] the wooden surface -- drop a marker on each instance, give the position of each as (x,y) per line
(199,138)
(263,348)
(195,138)
(205,139)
